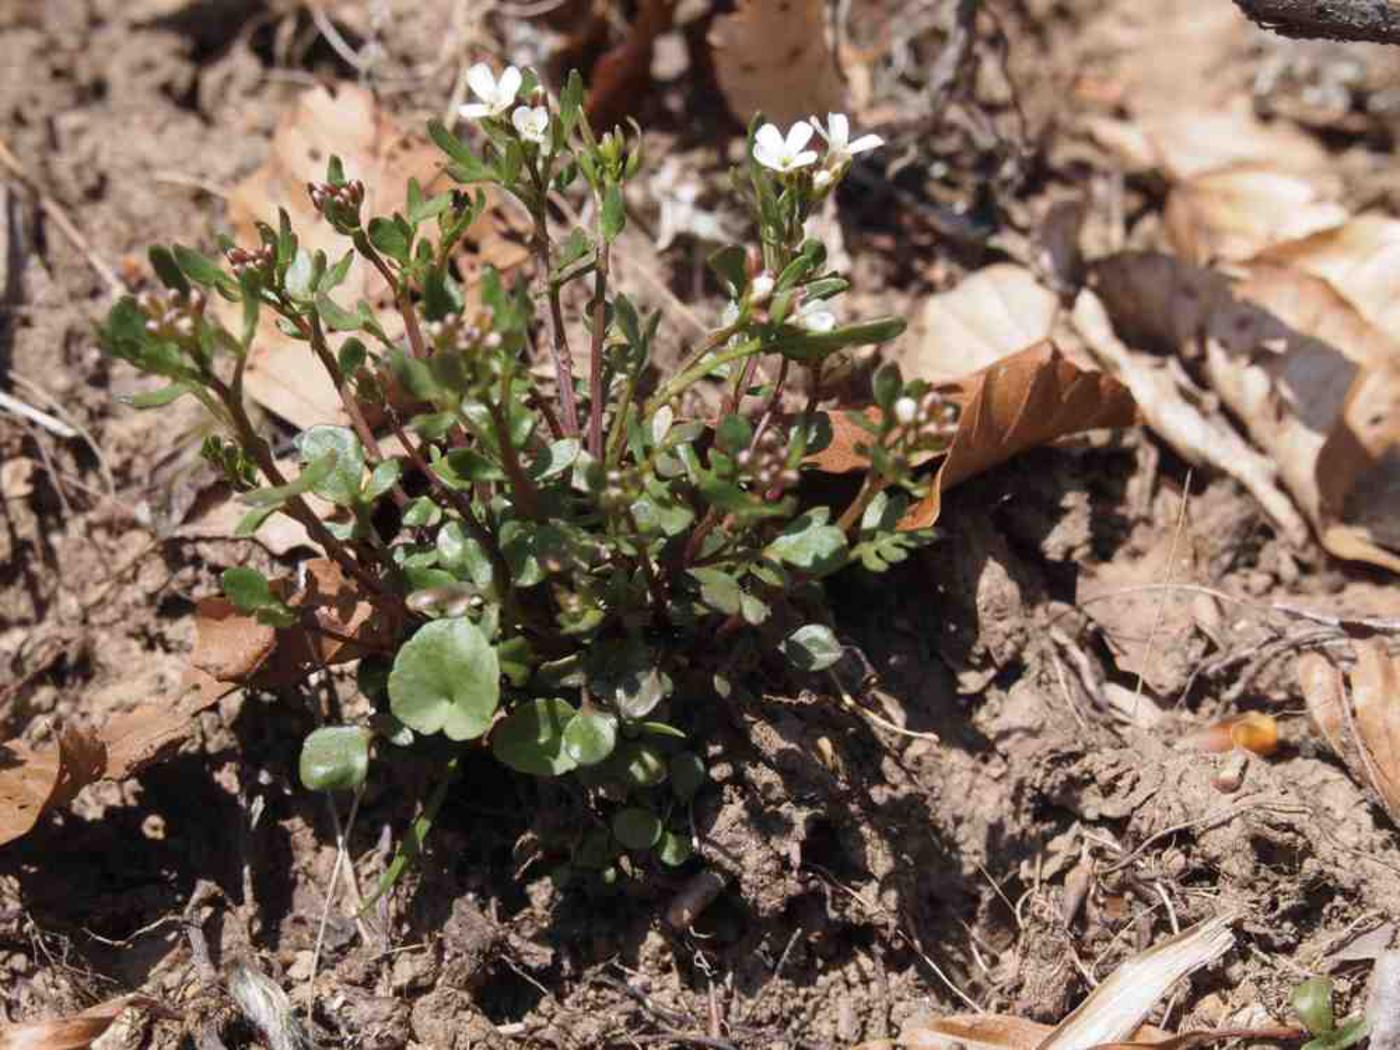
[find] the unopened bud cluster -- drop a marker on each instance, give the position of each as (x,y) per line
(172,315)
(247,261)
(766,463)
(338,202)
(928,419)
(454,332)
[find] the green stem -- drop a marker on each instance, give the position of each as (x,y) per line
(595,363)
(684,379)
(412,843)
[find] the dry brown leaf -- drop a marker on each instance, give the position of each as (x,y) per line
(1189,142)
(1028,399)
(36,779)
(73,1033)
(1114,1011)
(772,56)
(993,313)
(344,121)
(620,78)
(1360,259)
(1375,703)
(231,650)
(1235,213)
(1316,386)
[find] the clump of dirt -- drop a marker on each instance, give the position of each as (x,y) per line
(1023,832)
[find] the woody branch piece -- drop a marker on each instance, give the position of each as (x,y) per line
(1374,21)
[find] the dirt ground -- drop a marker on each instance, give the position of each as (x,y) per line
(869,877)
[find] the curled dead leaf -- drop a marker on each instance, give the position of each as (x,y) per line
(1235,213)
(1360,259)
(773,57)
(231,651)
(76,1032)
(341,120)
(995,312)
(1024,400)
(1253,731)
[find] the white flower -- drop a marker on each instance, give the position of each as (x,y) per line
(814,316)
(906,410)
(496,95)
(774,151)
(729,314)
(821,180)
(532,122)
(839,147)
(760,288)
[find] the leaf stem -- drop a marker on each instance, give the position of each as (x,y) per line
(595,362)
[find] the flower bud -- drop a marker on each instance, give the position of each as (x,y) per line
(906,410)
(761,287)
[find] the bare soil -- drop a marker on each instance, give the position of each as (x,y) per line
(869,876)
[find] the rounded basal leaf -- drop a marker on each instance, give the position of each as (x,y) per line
(687,774)
(641,765)
(1312,1002)
(590,737)
(812,648)
(342,485)
(335,758)
(246,588)
(673,849)
(531,739)
(636,828)
(446,678)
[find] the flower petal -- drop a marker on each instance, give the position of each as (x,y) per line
(522,119)
(865,142)
(840,129)
(798,136)
(508,86)
(770,140)
(482,81)
(802,159)
(473,110)
(818,125)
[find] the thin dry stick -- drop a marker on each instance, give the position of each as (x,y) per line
(341,853)
(1162,605)
(24,410)
(73,424)
(54,211)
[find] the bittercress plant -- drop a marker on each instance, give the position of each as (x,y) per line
(572,562)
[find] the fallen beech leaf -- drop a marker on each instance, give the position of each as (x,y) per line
(1235,213)
(996,311)
(1113,1011)
(772,56)
(621,76)
(1360,259)
(344,121)
(1021,401)
(1197,437)
(1189,142)
(35,780)
(231,651)
(73,1033)
(1316,386)
(1375,702)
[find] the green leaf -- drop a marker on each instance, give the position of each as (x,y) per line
(812,647)
(813,346)
(446,677)
(393,237)
(163,262)
(1349,1034)
(351,357)
(673,850)
(341,484)
(1312,1002)
(334,277)
(887,385)
(337,318)
(810,544)
(470,465)
(614,212)
(203,270)
(247,588)
(422,511)
(733,433)
(463,556)
(636,828)
(628,676)
(531,739)
(570,102)
(590,737)
(558,457)
(728,263)
(639,765)
(718,589)
(385,476)
(335,758)
(430,208)
(467,166)
(158,398)
(688,774)
(252,521)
